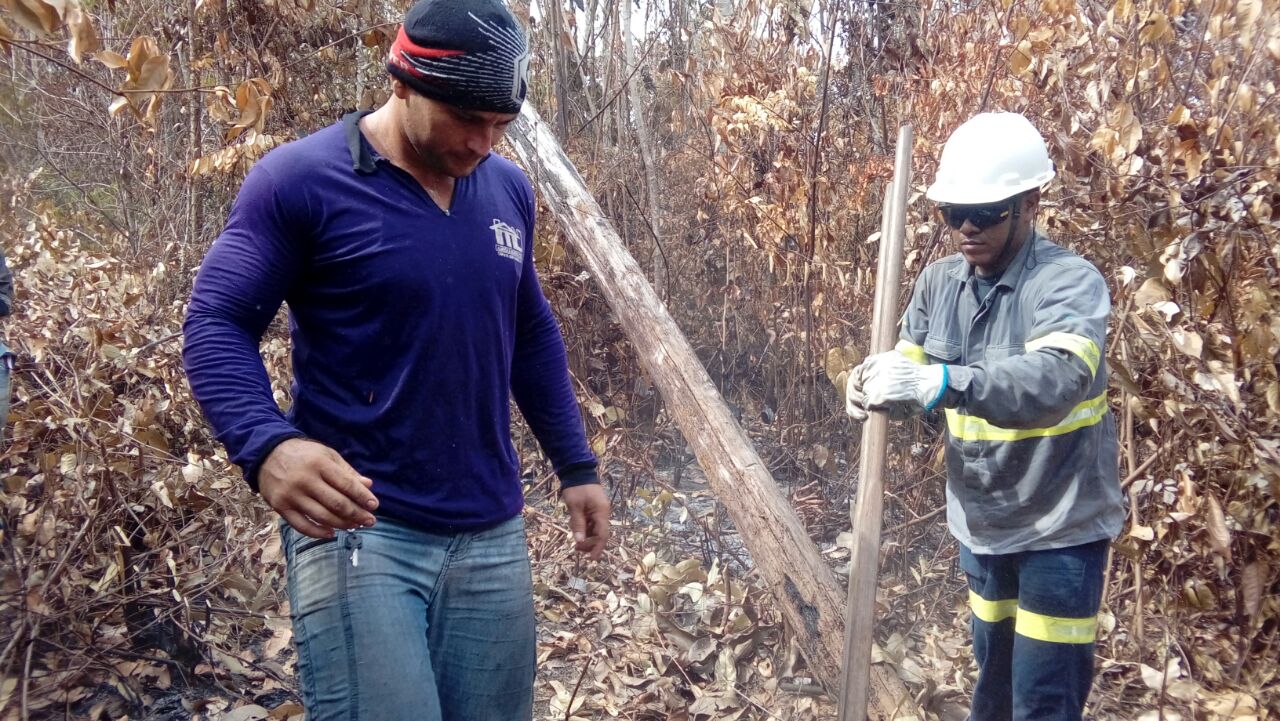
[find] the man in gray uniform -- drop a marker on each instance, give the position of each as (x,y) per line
(1007,337)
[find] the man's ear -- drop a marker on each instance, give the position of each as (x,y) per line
(1030,201)
(399,89)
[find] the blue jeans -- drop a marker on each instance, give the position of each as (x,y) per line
(397,623)
(6,358)
(1034,622)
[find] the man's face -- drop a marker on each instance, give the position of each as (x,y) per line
(449,140)
(981,244)
(982,231)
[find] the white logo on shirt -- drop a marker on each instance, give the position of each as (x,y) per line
(507,241)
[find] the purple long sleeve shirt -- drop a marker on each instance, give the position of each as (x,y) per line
(412,327)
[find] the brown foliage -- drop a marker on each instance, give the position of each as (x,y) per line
(127,535)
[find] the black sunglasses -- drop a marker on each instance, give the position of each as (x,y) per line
(982,216)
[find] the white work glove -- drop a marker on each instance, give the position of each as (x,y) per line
(892,378)
(855,400)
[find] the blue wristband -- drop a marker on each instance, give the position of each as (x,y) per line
(941,391)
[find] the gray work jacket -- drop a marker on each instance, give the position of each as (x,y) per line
(1031,444)
(6,288)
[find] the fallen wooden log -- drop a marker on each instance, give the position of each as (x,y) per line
(789,562)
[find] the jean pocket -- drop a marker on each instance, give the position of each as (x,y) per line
(971,565)
(311,543)
(297,544)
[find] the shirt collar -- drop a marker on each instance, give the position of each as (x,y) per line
(1021,262)
(1013,272)
(363,159)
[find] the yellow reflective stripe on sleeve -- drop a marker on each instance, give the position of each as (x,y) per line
(992,611)
(1078,345)
(972,428)
(1054,629)
(912,351)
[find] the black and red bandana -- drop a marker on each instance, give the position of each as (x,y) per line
(471,54)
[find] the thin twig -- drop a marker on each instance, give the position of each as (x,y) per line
(83,193)
(995,61)
(916,520)
(339,41)
(1139,470)
(154,343)
(613,98)
(26,679)
(568,708)
(26,45)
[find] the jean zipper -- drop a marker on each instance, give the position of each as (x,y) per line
(353,542)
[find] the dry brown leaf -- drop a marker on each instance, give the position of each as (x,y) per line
(277,643)
(1188,342)
(1216,523)
(84,38)
(821,456)
(1251,587)
(1155,29)
(115,61)
(1020,59)
(148,72)
(1225,379)
(1247,14)
(253,100)
(701,649)
(37,16)
(249,712)
(286,711)
(1233,705)
(1151,293)
(1156,679)
(835,364)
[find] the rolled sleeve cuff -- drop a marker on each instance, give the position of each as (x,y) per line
(578,474)
(959,378)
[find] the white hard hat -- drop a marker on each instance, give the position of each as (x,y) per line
(992,156)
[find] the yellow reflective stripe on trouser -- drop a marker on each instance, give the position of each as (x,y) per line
(992,611)
(1054,629)
(1078,345)
(912,351)
(973,428)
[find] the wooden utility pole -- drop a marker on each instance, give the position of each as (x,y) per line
(864,563)
(801,583)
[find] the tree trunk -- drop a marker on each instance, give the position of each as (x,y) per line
(195,199)
(559,71)
(585,53)
(636,107)
(802,584)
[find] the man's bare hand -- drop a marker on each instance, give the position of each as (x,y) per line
(588,517)
(315,489)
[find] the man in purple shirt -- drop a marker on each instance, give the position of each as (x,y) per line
(403,247)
